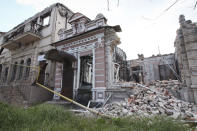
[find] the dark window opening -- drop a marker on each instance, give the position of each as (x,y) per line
(5,74)
(43,66)
(121,71)
(21,70)
(137,74)
(86,70)
(14,71)
(84,92)
(27,71)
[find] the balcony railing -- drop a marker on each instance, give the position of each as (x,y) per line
(24,34)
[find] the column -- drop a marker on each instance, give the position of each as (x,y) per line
(93,75)
(58,80)
(78,70)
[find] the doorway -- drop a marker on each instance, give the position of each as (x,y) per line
(67,79)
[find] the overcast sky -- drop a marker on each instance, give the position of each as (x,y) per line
(144,25)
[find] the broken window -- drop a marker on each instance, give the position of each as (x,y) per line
(84,94)
(27,71)
(14,71)
(21,69)
(86,70)
(123,71)
(46,21)
(137,74)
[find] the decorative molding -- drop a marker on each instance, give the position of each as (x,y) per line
(99,89)
(82,25)
(81,47)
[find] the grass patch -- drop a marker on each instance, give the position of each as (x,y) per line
(47,117)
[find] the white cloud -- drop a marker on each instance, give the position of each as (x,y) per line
(139,35)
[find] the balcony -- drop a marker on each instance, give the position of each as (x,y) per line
(22,35)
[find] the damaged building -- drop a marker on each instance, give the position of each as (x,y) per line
(186,50)
(78,57)
(23,50)
(94,65)
(160,67)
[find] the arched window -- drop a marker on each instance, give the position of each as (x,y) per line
(5,74)
(14,71)
(27,71)
(43,64)
(20,69)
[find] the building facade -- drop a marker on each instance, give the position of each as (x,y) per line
(93,44)
(147,70)
(25,45)
(77,57)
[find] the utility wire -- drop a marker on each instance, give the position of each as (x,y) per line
(163,12)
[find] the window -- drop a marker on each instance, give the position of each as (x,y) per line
(14,71)
(5,74)
(43,66)
(27,71)
(46,21)
(21,70)
(0,70)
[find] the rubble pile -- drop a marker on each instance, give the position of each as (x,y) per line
(148,101)
(171,84)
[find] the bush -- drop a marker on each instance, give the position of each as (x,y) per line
(56,118)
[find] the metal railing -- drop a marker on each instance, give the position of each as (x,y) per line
(29,27)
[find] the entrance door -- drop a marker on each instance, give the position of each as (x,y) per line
(67,80)
(43,66)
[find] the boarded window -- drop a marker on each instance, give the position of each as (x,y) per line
(21,69)
(14,71)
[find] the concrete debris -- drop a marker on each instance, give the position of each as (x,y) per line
(171,84)
(149,101)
